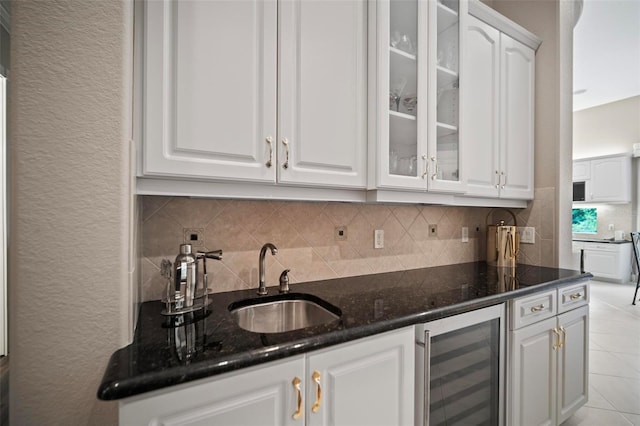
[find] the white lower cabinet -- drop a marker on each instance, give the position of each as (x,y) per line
(549,362)
(365,382)
(609,262)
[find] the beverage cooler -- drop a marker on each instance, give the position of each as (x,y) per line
(460,364)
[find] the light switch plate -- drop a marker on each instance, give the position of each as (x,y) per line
(465,234)
(527,234)
(378,238)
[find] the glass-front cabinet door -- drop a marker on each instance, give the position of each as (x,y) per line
(446,22)
(401,102)
(418,95)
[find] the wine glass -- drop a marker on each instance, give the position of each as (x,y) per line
(395,91)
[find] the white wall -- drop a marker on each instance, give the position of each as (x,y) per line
(71,206)
(606,129)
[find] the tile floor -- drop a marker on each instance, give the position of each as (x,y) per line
(614,358)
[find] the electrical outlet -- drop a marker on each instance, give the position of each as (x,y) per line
(378,238)
(433,230)
(341,233)
(527,234)
(194,236)
(612,227)
(465,234)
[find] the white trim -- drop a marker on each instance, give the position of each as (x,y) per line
(3,217)
(496,20)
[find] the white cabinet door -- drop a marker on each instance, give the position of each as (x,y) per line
(533,374)
(367,383)
(209,89)
(481,83)
(517,100)
(262,395)
(322,92)
(581,170)
(601,263)
(573,362)
(610,180)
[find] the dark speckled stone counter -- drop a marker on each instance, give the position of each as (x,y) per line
(370,304)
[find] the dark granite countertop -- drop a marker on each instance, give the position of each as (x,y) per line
(603,241)
(370,304)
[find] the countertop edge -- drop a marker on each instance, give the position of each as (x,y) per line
(119,389)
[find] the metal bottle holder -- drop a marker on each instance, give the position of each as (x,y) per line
(180,300)
(503,242)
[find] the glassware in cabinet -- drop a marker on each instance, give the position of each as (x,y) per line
(403,88)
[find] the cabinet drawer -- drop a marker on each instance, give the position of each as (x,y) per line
(534,308)
(572,297)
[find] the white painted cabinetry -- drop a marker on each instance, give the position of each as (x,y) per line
(610,180)
(366,382)
(607,179)
(549,354)
(255,91)
(610,262)
(414,71)
(499,112)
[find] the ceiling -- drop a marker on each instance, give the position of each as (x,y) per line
(606,55)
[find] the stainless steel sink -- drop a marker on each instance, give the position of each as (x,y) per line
(285,312)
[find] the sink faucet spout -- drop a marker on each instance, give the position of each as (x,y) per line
(262,287)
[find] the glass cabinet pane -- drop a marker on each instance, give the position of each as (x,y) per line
(447,106)
(403,84)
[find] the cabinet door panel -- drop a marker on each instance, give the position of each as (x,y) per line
(533,373)
(602,264)
(573,362)
(322,92)
(482,85)
(210,88)
(260,396)
(366,383)
(610,180)
(517,112)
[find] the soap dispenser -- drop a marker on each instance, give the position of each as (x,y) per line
(186,277)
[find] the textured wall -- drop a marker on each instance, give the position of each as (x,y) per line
(69,207)
(304,235)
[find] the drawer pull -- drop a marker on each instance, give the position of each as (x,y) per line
(575,296)
(296,384)
(537,308)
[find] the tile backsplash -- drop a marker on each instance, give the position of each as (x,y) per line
(305,234)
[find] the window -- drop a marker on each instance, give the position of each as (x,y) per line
(585,221)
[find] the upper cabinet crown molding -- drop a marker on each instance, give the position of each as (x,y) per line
(503,24)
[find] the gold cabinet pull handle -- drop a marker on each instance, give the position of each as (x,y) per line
(557,333)
(316,378)
(296,384)
(564,337)
(269,140)
(575,296)
(537,308)
(285,142)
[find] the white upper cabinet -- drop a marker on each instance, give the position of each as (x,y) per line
(607,178)
(217,73)
(517,102)
(498,109)
(610,180)
(415,57)
(209,99)
(482,87)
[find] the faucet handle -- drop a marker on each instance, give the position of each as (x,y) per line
(215,254)
(284,281)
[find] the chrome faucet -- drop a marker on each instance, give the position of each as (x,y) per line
(262,288)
